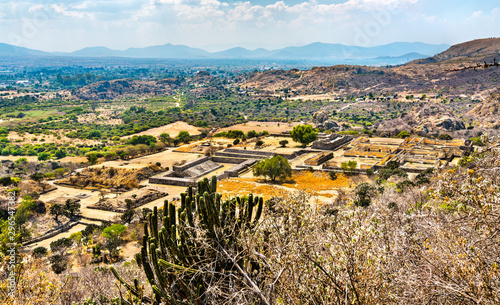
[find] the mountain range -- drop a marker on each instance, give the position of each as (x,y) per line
(391,53)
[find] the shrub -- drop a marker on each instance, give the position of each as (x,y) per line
(61,245)
(259,143)
(128,216)
(369,172)
(58,263)
(404,134)
(364,193)
(445,136)
(236,142)
(5,181)
(349,167)
(39,251)
(333,175)
(283,143)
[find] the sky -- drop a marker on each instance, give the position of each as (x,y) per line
(220,24)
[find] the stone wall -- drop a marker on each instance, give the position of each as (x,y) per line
(173,181)
(230,160)
(180,168)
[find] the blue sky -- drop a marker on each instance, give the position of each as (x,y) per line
(217,24)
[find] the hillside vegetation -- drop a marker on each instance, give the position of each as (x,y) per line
(432,240)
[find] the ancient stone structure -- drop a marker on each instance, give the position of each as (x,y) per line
(331,142)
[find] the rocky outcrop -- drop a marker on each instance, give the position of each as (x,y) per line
(320,117)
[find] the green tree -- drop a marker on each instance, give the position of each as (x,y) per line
(273,168)
(57,210)
(92,158)
(60,153)
(114,231)
(304,134)
(283,143)
(349,167)
(77,237)
(113,235)
(404,134)
(364,193)
(72,207)
(142,139)
(166,139)
(61,245)
(184,137)
(37,176)
(43,156)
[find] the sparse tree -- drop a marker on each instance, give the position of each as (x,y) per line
(57,210)
(184,137)
(273,168)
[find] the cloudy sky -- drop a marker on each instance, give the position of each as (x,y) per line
(119,24)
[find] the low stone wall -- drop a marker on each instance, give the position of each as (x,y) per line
(250,152)
(240,155)
(317,160)
(230,160)
(180,168)
(51,233)
(172,181)
(234,171)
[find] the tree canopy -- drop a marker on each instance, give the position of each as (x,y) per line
(304,134)
(273,168)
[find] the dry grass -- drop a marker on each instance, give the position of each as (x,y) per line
(172,129)
(271,127)
(318,181)
(233,187)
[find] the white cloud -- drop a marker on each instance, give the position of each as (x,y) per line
(477,14)
(63,10)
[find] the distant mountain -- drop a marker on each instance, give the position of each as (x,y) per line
(10,50)
(239,52)
(332,53)
(165,51)
(93,52)
(398,60)
(338,51)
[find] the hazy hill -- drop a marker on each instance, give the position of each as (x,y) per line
(332,53)
(10,50)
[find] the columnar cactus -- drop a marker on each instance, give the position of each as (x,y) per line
(202,231)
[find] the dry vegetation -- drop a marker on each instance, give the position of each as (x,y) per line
(435,243)
(110,178)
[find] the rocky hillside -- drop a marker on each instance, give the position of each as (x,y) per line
(487,113)
(124,88)
(425,119)
(432,74)
(471,49)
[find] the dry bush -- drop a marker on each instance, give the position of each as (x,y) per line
(37,285)
(119,178)
(434,245)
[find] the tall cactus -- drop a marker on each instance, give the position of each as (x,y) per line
(202,231)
